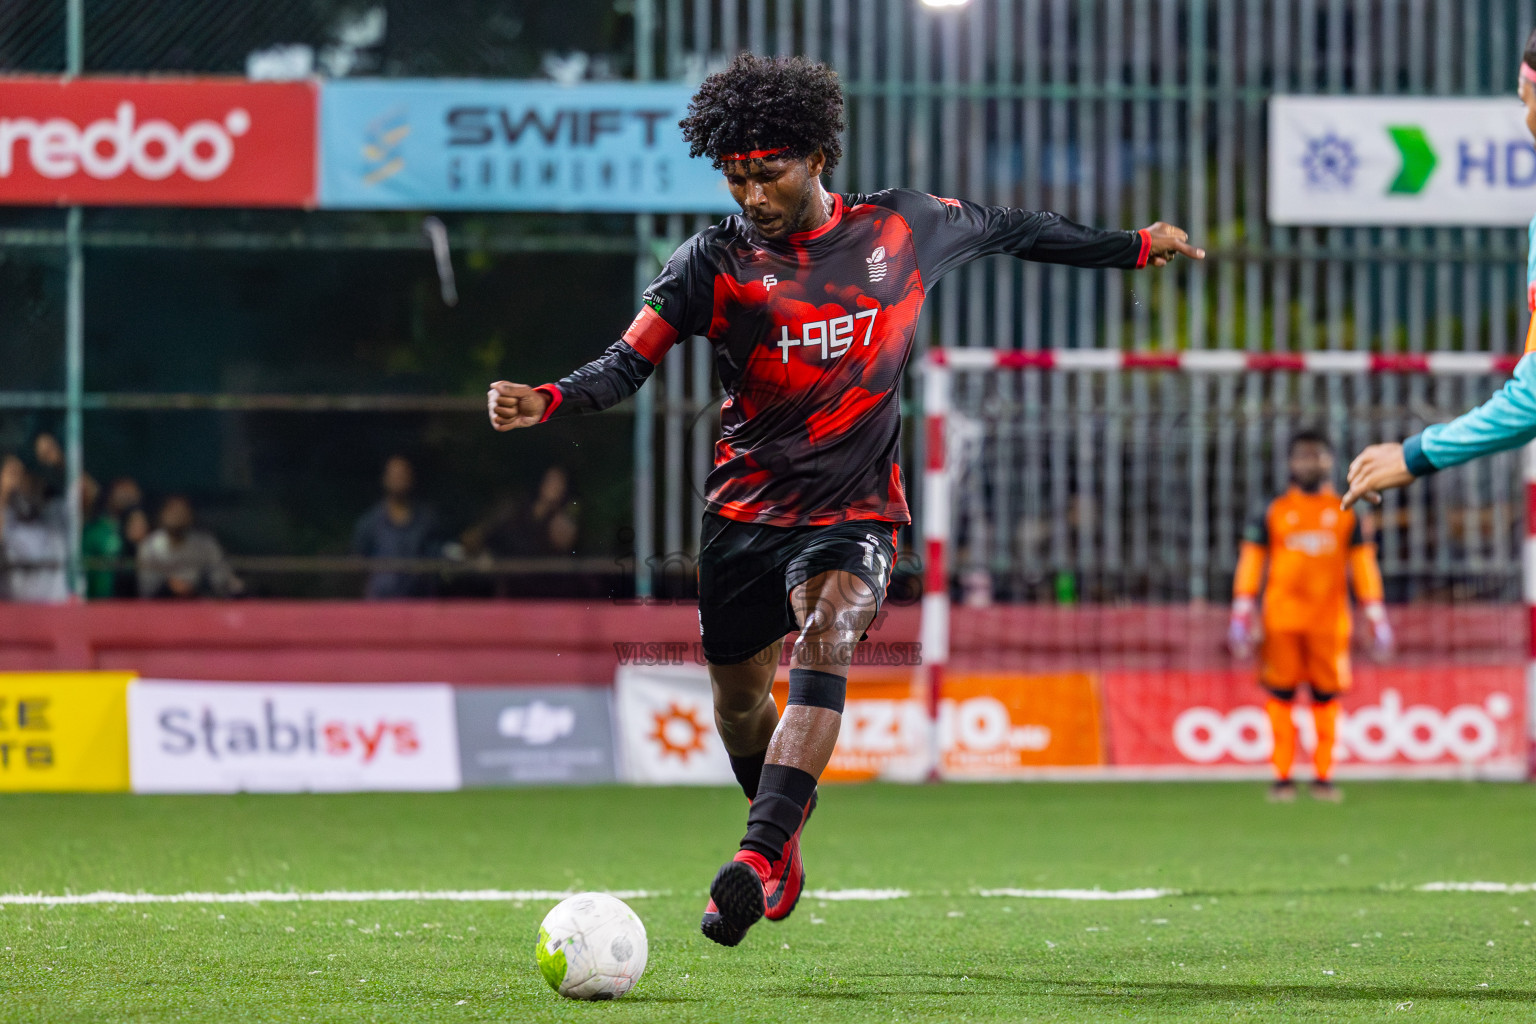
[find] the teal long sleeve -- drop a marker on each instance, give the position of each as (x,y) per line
(1507,420)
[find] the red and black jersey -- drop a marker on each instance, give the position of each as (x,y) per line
(811,336)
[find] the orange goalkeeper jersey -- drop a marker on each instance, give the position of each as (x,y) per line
(1312,547)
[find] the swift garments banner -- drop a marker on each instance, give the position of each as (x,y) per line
(157,142)
(505,145)
(1395,720)
(285,737)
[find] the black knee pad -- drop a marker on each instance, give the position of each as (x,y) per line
(1285,695)
(1321,698)
(814,689)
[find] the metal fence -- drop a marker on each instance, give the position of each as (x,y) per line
(1118,114)
(1113,113)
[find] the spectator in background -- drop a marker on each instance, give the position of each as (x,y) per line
(177,561)
(546,527)
(399,526)
(33,539)
(49,455)
(542,528)
(113,535)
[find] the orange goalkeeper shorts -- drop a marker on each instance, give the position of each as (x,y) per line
(1287,660)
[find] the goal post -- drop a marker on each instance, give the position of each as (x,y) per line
(1224,420)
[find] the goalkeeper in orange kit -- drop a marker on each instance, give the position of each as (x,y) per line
(1312,548)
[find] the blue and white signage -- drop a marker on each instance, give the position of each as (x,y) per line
(508,145)
(1400,160)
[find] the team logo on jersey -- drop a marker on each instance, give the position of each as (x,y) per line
(877,265)
(833,337)
(769,281)
(1313,542)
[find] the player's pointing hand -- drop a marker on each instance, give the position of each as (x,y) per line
(1379,467)
(1168,241)
(515,405)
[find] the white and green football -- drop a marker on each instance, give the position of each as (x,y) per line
(591,946)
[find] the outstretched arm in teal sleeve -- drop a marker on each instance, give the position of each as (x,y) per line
(1507,420)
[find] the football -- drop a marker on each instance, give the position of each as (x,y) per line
(591,946)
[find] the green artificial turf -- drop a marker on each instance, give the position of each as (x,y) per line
(1302,912)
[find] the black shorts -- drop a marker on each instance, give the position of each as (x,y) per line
(747,571)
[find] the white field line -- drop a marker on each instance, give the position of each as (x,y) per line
(1080,894)
(1504,887)
(540,895)
(857,895)
(333,896)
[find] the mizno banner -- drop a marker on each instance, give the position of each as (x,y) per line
(1400,160)
(156,142)
(488,145)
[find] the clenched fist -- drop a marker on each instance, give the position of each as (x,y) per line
(515,405)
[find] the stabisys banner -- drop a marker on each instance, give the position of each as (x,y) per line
(157,142)
(1438,720)
(195,737)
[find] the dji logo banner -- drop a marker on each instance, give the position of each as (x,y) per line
(534,735)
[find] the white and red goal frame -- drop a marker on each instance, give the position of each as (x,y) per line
(941,365)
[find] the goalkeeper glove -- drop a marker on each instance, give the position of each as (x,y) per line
(1242,636)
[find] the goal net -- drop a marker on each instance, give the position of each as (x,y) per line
(1081,517)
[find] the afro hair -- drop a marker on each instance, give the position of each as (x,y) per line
(767,103)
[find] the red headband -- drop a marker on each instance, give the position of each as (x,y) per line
(756,154)
(1527,72)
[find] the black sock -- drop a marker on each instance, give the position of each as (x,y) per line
(749,769)
(778,809)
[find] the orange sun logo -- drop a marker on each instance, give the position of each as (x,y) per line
(678,731)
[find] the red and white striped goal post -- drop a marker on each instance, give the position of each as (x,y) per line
(1462,364)
(941,363)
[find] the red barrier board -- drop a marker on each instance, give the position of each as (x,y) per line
(157,142)
(1394,717)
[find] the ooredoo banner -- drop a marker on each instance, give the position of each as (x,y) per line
(63,731)
(157,142)
(1433,720)
(193,737)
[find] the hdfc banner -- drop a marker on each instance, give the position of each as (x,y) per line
(63,731)
(157,142)
(186,737)
(1400,160)
(1445,720)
